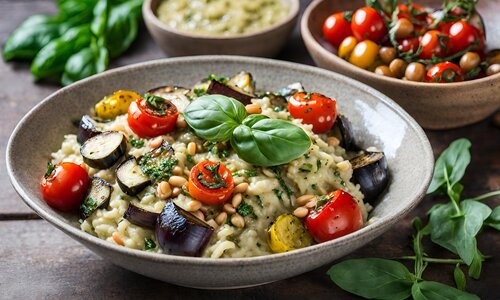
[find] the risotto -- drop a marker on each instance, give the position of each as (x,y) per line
(246,201)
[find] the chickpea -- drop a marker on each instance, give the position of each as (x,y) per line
(387,54)
(384,71)
(398,67)
(469,61)
(493,69)
(404,28)
(415,72)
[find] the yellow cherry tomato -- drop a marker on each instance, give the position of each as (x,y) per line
(364,54)
(116,104)
(346,47)
(288,233)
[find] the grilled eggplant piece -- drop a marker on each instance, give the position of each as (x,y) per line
(158,163)
(181,233)
(370,171)
(130,178)
(179,96)
(220,88)
(98,196)
(243,81)
(103,150)
(342,130)
(86,129)
(141,217)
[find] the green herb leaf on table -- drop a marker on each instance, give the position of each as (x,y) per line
(477,265)
(100,12)
(428,290)
(122,27)
(85,63)
(459,277)
(494,219)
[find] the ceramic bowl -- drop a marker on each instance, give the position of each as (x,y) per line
(266,42)
(433,105)
(376,120)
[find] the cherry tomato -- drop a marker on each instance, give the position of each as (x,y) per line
(462,34)
(445,27)
(315,109)
(364,54)
(445,72)
(405,45)
(152,116)
(340,216)
(418,12)
(336,28)
(64,186)
(368,24)
(346,47)
(211,183)
(434,43)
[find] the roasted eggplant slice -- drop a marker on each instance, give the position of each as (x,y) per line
(141,217)
(370,171)
(180,233)
(86,129)
(342,130)
(130,178)
(158,163)
(103,150)
(98,196)
(243,81)
(179,96)
(220,88)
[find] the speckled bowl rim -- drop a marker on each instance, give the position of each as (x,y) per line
(148,13)
(381,225)
(309,39)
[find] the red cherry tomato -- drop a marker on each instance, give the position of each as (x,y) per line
(434,43)
(64,186)
(407,44)
(153,117)
(210,182)
(340,216)
(315,109)
(462,34)
(368,24)
(445,72)
(418,12)
(445,27)
(336,28)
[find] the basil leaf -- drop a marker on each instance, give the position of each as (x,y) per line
(494,218)
(122,26)
(252,119)
(50,61)
(373,278)
(477,265)
(459,277)
(457,234)
(85,63)
(427,290)
(214,117)
(100,20)
(455,160)
(269,142)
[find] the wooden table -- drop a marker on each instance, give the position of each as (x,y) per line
(38,261)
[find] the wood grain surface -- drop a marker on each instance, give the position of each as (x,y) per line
(39,262)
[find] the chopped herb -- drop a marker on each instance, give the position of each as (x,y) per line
(286,188)
(244,209)
(214,171)
(342,182)
(259,201)
(307,96)
(189,158)
(306,155)
(199,92)
(149,244)
(88,206)
(224,153)
(158,163)
(185,191)
(278,108)
(318,164)
(136,142)
(156,103)
(322,199)
(221,79)
(307,167)
(247,173)
(258,244)
(314,186)
(50,169)
(278,194)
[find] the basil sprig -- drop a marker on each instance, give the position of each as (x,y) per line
(255,138)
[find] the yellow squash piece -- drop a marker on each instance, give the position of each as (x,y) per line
(114,105)
(288,233)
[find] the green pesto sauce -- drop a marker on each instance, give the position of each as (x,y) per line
(221,17)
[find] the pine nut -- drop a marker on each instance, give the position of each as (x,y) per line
(311,204)
(253,109)
(177,171)
(117,239)
(163,190)
(191,148)
(240,188)
(204,210)
(332,141)
(212,223)
(300,212)
(177,181)
(156,142)
(236,201)
(199,215)
(176,191)
(343,165)
(238,221)
(124,134)
(229,208)
(221,218)
(181,122)
(193,205)
(302,200)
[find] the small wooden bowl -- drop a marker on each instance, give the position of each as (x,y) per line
(433,105)
(265,43)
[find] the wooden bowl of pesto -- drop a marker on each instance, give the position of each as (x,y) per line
(247,27)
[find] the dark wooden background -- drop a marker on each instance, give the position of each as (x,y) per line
(38,261)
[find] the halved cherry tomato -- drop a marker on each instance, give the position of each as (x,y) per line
(152,116)
(64,186)
(315,109)
(336,28)
(407,44)
(340,215)
(211,183)
(368,24)
(445,72)
(434,43)
(462,34)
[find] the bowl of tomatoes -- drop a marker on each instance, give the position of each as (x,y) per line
(437,59)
